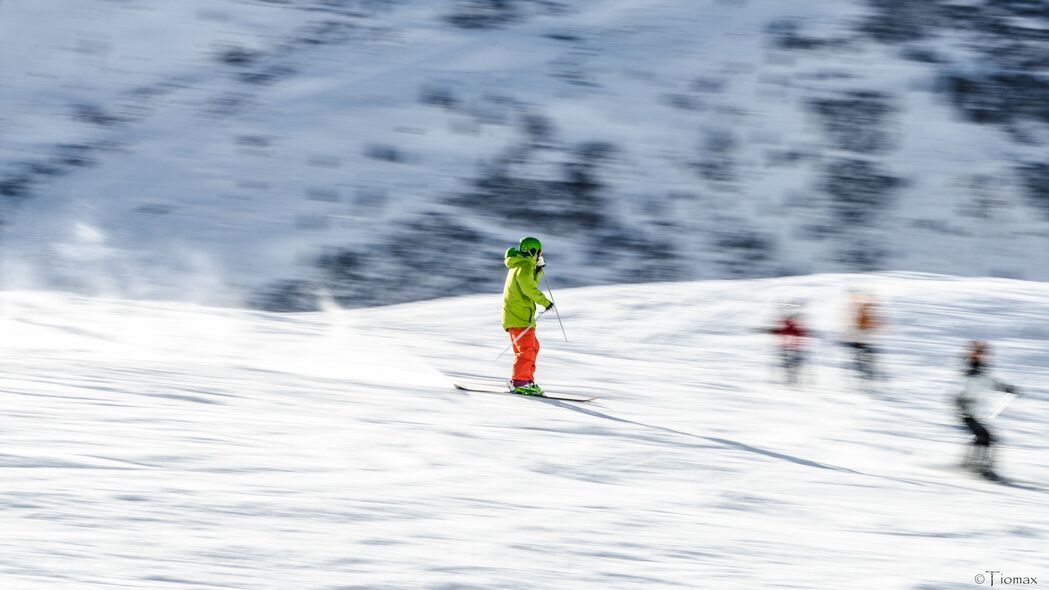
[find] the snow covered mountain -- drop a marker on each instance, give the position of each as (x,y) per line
(164,446)
(389,150)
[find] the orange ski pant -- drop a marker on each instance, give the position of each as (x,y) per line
(526,349)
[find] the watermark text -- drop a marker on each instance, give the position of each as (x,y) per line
(997,578)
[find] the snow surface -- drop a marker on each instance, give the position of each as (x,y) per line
(172,446)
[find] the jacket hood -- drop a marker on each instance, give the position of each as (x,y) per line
(513,258)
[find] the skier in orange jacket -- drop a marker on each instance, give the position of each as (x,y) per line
(864,320)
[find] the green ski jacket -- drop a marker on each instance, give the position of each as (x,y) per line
(521,292)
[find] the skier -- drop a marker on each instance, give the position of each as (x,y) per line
(521,294)
(979,457)
(863,321)
(792,341)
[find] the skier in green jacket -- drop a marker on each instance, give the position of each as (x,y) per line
(521,294)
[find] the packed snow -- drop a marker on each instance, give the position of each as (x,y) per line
(150,445)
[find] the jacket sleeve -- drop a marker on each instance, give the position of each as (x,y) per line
(1004,387)
(526,280)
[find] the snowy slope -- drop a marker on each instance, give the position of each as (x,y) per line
(199,150)
(173,446)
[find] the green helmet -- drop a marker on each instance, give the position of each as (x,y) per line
(530,246)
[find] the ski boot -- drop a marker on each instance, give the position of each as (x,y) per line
(990,474)
(532,388)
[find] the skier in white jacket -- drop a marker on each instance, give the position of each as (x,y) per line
(979,457)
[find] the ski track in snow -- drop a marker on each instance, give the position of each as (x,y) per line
(171,446)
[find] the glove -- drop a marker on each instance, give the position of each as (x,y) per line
(540,263)
(549,307)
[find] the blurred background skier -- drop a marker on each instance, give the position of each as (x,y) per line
(521,294)
(979,456)
(863,322)
(793,341)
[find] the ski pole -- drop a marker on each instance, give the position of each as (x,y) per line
(556,313)
(521,335)
(1004,403)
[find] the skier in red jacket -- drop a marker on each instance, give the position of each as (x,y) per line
(793,341)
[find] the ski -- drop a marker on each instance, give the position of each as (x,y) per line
(991,477)
(995,477)
(494,388)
